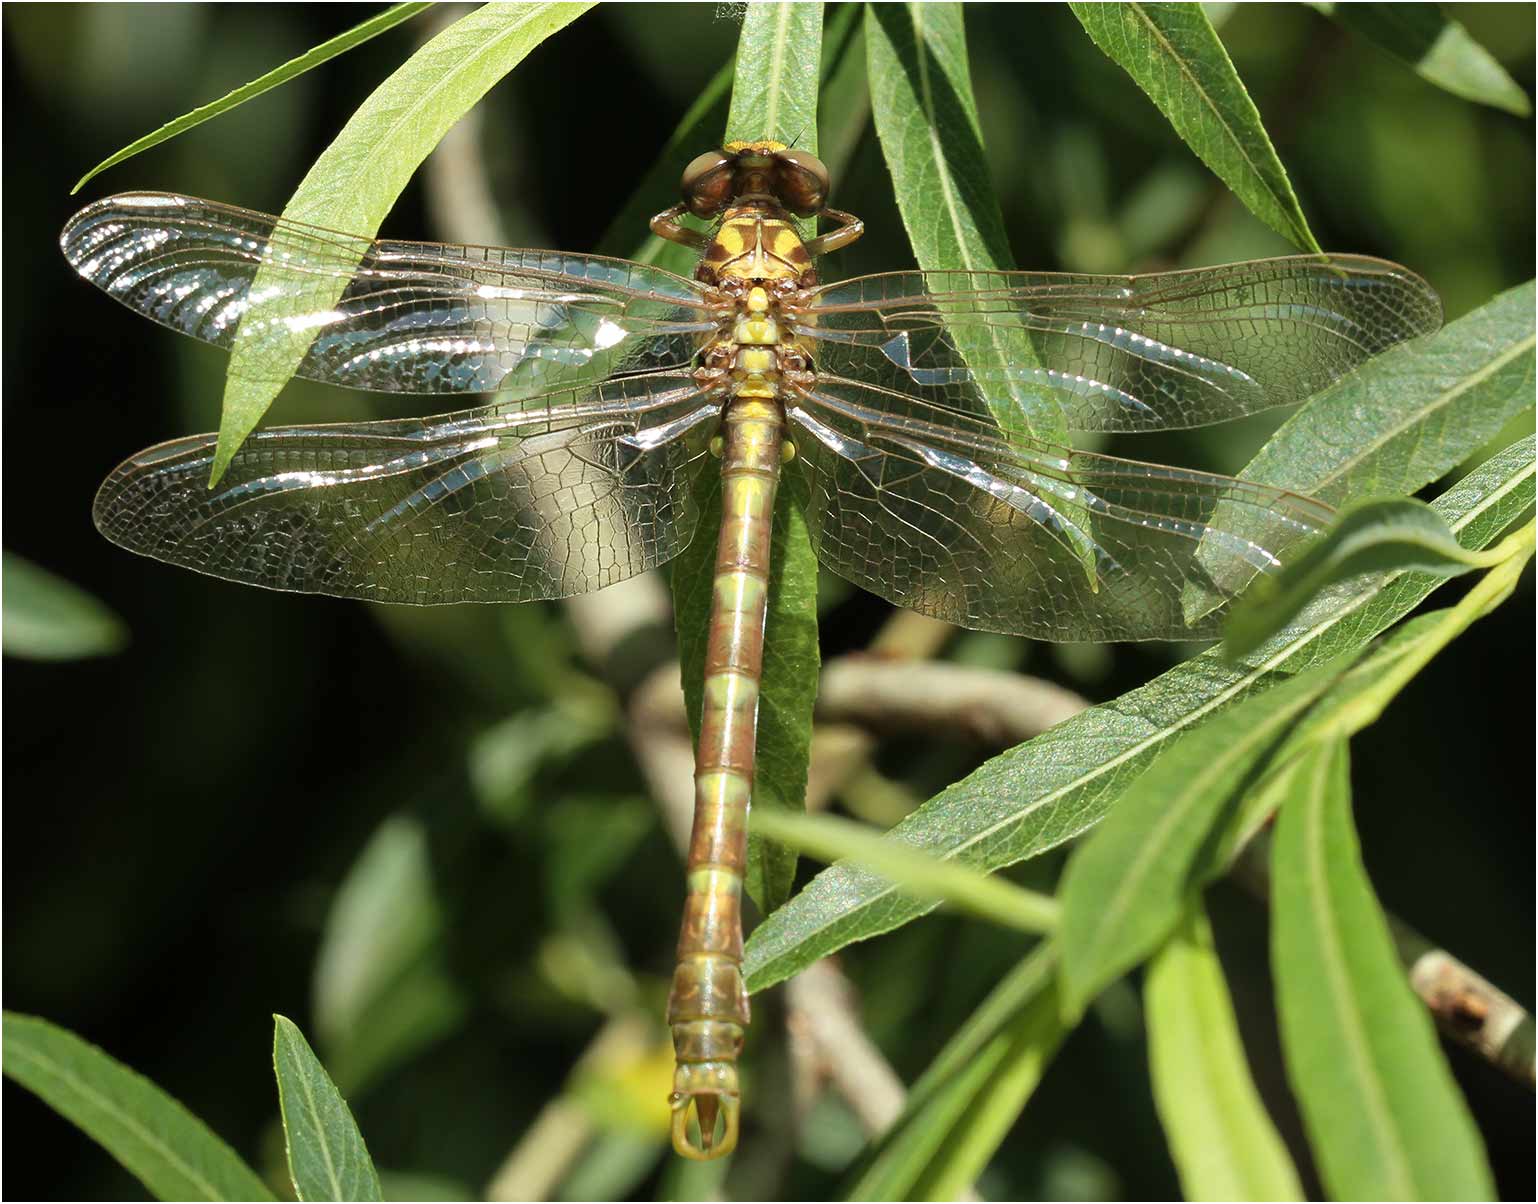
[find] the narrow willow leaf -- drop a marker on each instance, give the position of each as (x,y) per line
(792,660)
(1172,52)
(381,989)
(1379,536)
(774,94)
(160,1143)
(926,118)
(327,1159)
(1384,1117)
(314,57)
(981,895)
(357,178)
(45,618)
(1436,48)
(700,130)
(965,1104)
(1361,695)
(1223,1142)
(1052,788)
(1412,414)
(1126,887)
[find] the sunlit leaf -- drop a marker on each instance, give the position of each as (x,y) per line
(1412,414)
(1126,887)
(160,1143)
(45,618)
(1385,1119)
(1371,537)
(356,180)
(1223,1142)
(1176,57)
(1052,788)
(1436,47)
(828,838)
(965,1104)
(327,1159)
(314,57)
(774,93)
(926,118)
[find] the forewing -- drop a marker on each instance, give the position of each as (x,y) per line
(942,515)
(1123,353)
(414,317)
(506,503)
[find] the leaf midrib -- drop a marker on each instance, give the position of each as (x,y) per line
(335,1180)
(777,72)
(1441,401)
(1185,721)
(110,1106)
(452,75)
(1332,960)
(1202,94)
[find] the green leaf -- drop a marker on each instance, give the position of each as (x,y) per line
(382,991)
(965,1104)
(1371,537)
(160,1143)
(1436,48)
(1412,414)
(1127,886)
(988,898)
(1050,789)
(45,618)
(788,687)
(327,1159)
(1384,1117)
(314,57)
(1223,1142)
(1175,56)
(774,94)
(352,185)
(926,118)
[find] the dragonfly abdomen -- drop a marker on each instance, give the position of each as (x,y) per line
(708,1008)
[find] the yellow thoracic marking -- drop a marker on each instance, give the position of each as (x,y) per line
(758,300)
(757,361)
(756,332)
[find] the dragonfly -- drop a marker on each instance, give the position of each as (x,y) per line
(619,386)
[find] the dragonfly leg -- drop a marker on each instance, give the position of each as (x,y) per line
(848,229)
(666,225)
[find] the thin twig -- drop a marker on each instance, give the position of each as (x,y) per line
(986,705)
(823,1017)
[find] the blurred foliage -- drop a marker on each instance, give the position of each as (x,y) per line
(197,826)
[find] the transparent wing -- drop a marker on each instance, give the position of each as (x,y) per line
(939,513)
(414,317)
(1124,353)
(505,503)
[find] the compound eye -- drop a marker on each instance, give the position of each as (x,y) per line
(707,183)
(801,182)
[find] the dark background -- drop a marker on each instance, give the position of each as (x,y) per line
(179,817)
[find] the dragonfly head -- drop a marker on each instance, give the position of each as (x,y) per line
(708,1090)
(794,179)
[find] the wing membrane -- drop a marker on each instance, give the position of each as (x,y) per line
(414,317)
(939,513)
(1124,353)
(505,503)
